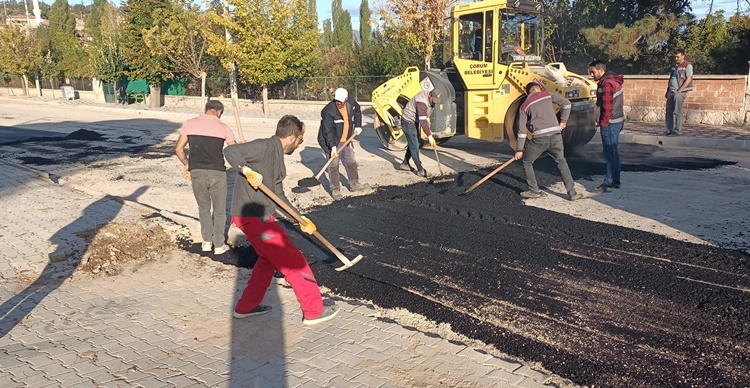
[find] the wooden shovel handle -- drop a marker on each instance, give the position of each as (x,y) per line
(295,214)
(437,158)
(322,170)
(488,176)
(237,118)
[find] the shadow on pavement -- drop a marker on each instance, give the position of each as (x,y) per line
(99,213)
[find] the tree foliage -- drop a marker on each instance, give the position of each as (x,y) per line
(273,40)
(179,34)
(418,22)
(109,65)
(341,22)
(19,53)
(365,26)
(630,42)
(142,63)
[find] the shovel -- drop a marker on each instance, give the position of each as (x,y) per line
(310,182)
(347,263)
(237,118)
(441,178)
(488,176)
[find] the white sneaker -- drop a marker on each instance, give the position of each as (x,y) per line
(221,250)
(206,247)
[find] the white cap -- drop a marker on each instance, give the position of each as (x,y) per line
(340,95)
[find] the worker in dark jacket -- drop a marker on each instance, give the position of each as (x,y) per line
(610,121)
(340,120)
(537,116)
(414,117)
(262,161)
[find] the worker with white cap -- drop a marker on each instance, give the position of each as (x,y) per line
(341,119)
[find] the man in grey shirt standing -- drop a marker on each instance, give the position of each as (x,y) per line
(537,116)
(680,83)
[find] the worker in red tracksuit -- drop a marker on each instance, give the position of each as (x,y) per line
(537,116)
(262,161)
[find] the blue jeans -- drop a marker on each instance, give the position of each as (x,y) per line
(412,138)
(610,141)
(210,190)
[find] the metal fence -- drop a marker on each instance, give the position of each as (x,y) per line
(15,81)
(310,88)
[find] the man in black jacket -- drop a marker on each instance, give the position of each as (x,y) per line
(340,120)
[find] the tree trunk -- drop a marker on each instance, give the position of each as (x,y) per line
(38,85)
(203,89)
(427,62)
(155,97)
(52,86)
(26,86)
(265,101)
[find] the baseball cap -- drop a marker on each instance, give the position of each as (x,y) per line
(340,95)
(435,96)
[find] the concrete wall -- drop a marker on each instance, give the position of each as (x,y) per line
(715,100)
(84,95)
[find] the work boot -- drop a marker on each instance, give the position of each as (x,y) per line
(404,167)
(328,313)
(356,186)
(422,173)
(615,185)
(528,194)
(601,189)
(576,196)
(336,194)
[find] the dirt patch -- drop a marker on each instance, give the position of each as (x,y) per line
(117,245)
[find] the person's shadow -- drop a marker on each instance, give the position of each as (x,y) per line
(65,260)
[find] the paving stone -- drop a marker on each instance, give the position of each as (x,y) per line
(530,383)
(211,378)
(7,381)
(184,381)
(70,379)
(21,372)
(532,374)
(505,376)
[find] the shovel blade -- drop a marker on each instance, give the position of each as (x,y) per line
(349,263)
(308,182)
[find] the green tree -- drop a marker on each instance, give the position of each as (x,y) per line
(418,22)
(64,51)
(109,65)
(385,56)
(327,36)
(623,42)
(179,34)
(142,63)
(273,41)
(704,41)
(19,53)
(341,22)
(365,28)
(94,20)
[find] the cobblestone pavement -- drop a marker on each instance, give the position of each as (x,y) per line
(168,324)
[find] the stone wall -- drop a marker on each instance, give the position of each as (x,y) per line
(715,100)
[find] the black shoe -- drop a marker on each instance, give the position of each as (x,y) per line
(615,185)
(601,189)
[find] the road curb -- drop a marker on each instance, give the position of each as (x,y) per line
(680,141)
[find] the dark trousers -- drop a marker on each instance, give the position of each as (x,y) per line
(553,145)
(610,142)
(210,190)
(346,156)
(412,138)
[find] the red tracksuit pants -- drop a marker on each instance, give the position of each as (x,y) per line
(276,251)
